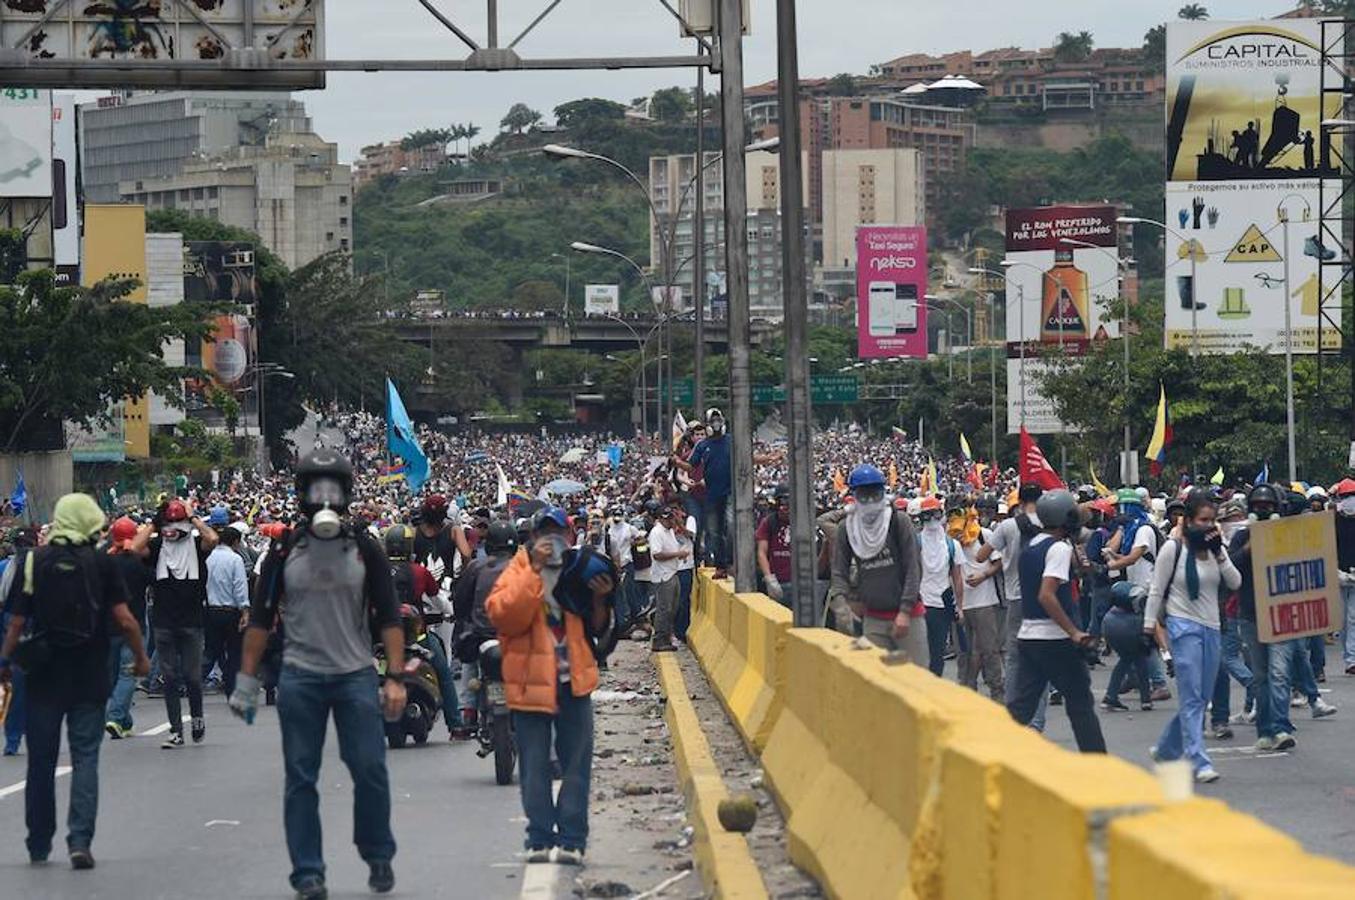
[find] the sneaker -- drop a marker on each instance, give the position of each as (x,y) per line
(82,859)
(1296,700)
(199,729)
(1146,706)
(115,731)
(538,855)
(568,856)
(1222,733)
(1350,670)
(381,878)
(1241,718)
(662,647)
(1265,744)
(1112,705)
(312,887)
(1152,754)
(1055,698)
(173,742)
(1161,693)
(1321,677)
(1285,741)
(1207,775)
(1322,709)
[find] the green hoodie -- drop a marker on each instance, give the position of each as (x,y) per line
(76,520)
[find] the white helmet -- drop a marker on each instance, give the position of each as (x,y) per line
(1316,492)
(915,507)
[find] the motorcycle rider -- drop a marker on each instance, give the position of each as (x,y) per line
(415,585)
(468,604)
(550,672)
(331,584)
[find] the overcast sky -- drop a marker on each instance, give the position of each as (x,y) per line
(835,36)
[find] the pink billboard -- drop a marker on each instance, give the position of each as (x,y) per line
(891,290)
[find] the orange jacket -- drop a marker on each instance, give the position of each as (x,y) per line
(516,606)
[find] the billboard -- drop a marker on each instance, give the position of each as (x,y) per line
(601,299)
(891,291)
(63,34)
(1057,299)
(222,272)
(25,142)
(65,202)
(1294,568)
(1246,152)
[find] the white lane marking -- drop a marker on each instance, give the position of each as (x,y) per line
(538,881)
(161,728)
(19,785)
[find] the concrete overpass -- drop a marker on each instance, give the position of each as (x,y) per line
(527,331)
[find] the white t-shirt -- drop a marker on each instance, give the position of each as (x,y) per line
(621,537)
(661,540)
(1141,572)
(1058,564)
(1006,540)
(685,542)
(986,593)
(934,582)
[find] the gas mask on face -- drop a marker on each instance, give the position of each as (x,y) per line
(1346,505)
(717,426)
(326,497)
(557,545)
(1261,515)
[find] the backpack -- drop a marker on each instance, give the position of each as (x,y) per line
(402,577)
(639,553)
(66,594)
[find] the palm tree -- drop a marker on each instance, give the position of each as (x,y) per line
(469,132)
(1069,47)
(457,133)
(1193,12)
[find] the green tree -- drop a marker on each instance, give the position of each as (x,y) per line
(1155,46)
(1070,47)
(673,104)
(519,118)
(70,352)
(1193,12)
(427,137)
(843,84)
(575,113)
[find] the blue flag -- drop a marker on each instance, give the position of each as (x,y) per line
(1263,476)
(614,456)
(401,440)
(19,499)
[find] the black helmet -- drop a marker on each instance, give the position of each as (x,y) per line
(1085,493)
(653,507)
(1059,509)
(1263,493)
(501,538)
(781,492)
(1176,504)
(323,464)
(399,541)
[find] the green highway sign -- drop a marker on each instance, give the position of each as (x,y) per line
(823,389)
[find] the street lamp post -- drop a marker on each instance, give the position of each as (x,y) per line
(565,257)
(1190,245)
(969,332)
(1283,213)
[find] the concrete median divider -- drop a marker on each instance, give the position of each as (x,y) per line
(898,784)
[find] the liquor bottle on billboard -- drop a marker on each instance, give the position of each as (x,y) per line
(1066,300)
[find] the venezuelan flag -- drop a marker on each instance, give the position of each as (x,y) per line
(1162,434)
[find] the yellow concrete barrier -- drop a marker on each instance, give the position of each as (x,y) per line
(722,857)
(897,784)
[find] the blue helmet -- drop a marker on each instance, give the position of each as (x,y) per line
(865,475)
(553,514)
(220,515)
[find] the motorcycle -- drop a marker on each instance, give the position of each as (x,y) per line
(423,697)
(495,733)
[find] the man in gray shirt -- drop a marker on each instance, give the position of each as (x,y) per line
(1010,537)
(330,582)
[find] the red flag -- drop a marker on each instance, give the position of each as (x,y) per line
(992,476)
(1035,469)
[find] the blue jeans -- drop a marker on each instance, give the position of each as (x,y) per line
(1100,606)
(1220,709)
(692,507)
(1196,650)
(1258,658)
(17,716)
(84,733)
(1011,625)
(682,620)
(305,701)
(1124,666)
(1348,632)
(1283,660)
(1317,654)
(715,536)
(562,821)
(119,708)
(451,713)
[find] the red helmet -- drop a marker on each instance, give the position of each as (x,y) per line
(176,511)
(1343,488)
(434,508)
(122,531)
(931,503)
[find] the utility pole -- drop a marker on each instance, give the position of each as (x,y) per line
(699,249)
(736,269)
(799,415)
